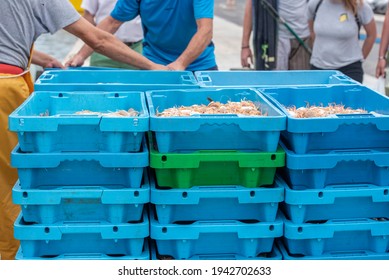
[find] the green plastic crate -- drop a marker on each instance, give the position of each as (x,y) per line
(206,168)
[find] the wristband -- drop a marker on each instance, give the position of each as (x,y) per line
(382,58)
(245,47)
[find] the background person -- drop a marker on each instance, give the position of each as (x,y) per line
(130,33)
(176,33)
(334,26)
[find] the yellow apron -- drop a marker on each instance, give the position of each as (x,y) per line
(14,89)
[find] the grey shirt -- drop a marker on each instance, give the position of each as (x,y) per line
(294,12)
(23,21)
(336,33)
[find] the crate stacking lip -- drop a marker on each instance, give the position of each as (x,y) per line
(345,236)
(50,170)
(113,80)
(266,79)
(204,168)
(336,202)
(48,122)
(275,254)
(77,238)
(183,241)
(347,131)
(354,255)
(216,203)
(80,203)
(340,167)
(145,255)
(215,131)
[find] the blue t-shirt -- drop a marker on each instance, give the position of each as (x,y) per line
(168,27)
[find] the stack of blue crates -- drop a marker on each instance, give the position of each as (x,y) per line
(337,174)
(81,186)
(199,210)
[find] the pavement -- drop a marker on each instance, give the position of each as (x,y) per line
(227,39)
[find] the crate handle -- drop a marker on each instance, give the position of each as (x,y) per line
(46,77)
(215,115)
(352,151)
(354,116)
(186,79)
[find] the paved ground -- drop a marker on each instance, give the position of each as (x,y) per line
(227,38)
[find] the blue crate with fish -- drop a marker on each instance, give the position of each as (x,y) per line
(336,202)
(144,256)
(339,167)
(349,236)
(328,118)
(216,203)
(185,240)
(82,203)
(81,122)
(78,238)
(351,255)
(51,170)
(266,79)
(78,79)
(275,254)
(214,119)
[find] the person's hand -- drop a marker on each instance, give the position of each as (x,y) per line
(175,66)
(75,61)
(380,69)
(53,63)
(246,57)
(159,67)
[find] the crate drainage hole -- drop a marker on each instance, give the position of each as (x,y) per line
(252,193)
(184,194)
(164,158)
(164,230)
(47,230)
(386,192)
(136,193)
(115,229)
(25,194)
(273,157)
(116,94)
(320,194)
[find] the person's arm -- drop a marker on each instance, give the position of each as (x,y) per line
(108,45)
(311,31)
(45,60)
(200,40)
(381,64)
(371,35)
(246,55)
(108,24)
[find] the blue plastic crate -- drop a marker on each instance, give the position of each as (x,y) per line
(79,203)
(336,202)
(114,80)
(336,132)
(214,132)
(88,256)
(183,241)
(275,254)
(342,167)
(47,122)
(266,79)
(344,236)
(51,170)
(77,238)
(353,255)
(216,203)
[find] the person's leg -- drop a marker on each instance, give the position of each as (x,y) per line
(299,57)
(100,60)
(13,91)
(354,71)
(283,50)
